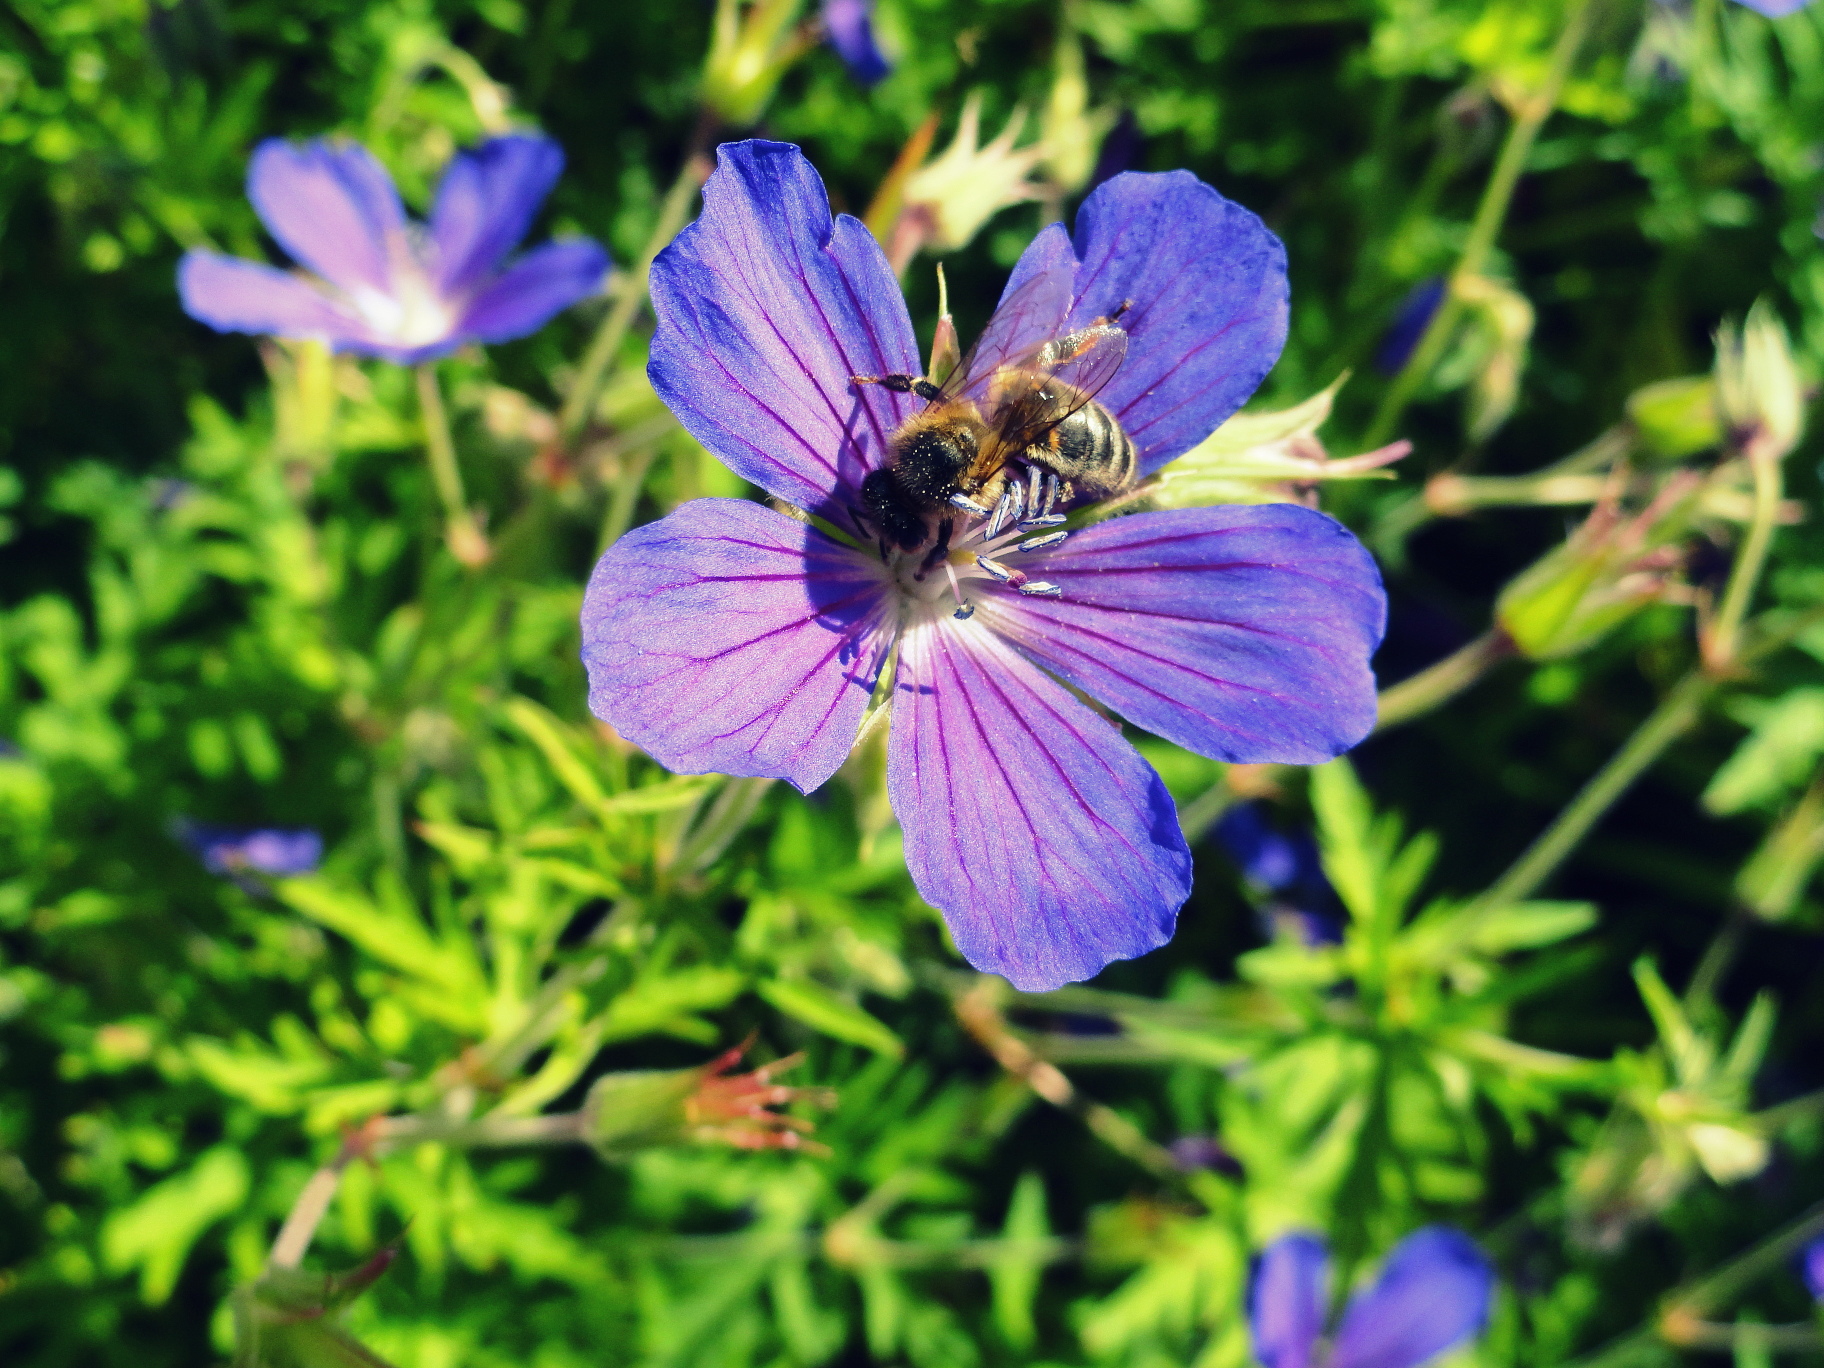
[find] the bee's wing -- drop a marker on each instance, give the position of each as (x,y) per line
(1021,324)
(1029,399)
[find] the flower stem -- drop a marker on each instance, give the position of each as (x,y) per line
(460,532)
(1529,117)
(587,387)
(1664,725)
(1723,640)
(1438,684)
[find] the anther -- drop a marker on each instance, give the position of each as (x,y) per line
(1035,481)
(964,612)
(1041,589)
(1001,572)
(1052,489)
(1040,543)
(1002,519)
(969,505)
(1045,520)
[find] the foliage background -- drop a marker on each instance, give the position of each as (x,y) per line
(218,602)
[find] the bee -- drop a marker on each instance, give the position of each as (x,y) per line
(1007,423)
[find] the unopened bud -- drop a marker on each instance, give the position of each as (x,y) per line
(1505,318)
(1676,418)
(1758,388)
(1255,458)
(1774,879)
(1070,131)
(628,1112)
(1610,568)
(750,48)
(958,191)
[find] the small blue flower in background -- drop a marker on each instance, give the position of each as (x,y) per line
(1774,9)
(380,284)
(258,850)
(1813,1268)
(1433,1293)
(1284,869)
(849,26)
(729,638)
(1409,323)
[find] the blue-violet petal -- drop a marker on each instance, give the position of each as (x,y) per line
(1288,1302)
(232,295)
(730,639)
(485,204)
(1207,284)
(766,307)
(1242,633)
(850,27)
(543,282)
(1048,844)
(332,208)
(1432,1294)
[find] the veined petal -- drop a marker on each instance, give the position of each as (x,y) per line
(1432,1294)
(233,295)
(766,307)
(1289,1300)
(1242,633)
(1048,844)
(332,208)
(543,282)
(1207,282)
(485,203)
(730,639)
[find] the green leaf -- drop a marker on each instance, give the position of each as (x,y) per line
(156,1232)
(821,1010)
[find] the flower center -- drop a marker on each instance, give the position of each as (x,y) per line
(982,545)
(412,313)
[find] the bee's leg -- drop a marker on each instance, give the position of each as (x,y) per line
(900,384)
(938,552)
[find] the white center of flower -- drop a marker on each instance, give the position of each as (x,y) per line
(413,314)
(984,546)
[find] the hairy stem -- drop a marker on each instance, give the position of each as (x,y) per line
(1664,725)
(1723,641)
(460,531)
(1529,117)
(1438,684)
(587,388)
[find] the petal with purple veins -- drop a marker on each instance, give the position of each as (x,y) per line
(1207,284)
(729,639)
(332,208)
(485,204)
(1242,633)
(766,307)
(543,282)
(1287,1305)
(1432,1294)
(1048,844)
(232,295)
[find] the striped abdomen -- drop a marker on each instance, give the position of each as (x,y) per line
(1090,452)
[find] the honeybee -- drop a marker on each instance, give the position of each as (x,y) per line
(1010,422)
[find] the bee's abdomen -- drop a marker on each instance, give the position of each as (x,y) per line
(1091,451)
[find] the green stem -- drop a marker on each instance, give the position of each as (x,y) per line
(587,388)
(1529,118)
(1718,956)
(1723,640)
(1437,684)
(1664,725)
(460,531)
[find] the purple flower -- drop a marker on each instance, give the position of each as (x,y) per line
(1774,9)
(1433,1293)
(380,284)
(1410,321)
(261,850)
(849,26)
(1813,1267)
(734,639)
(1284,869)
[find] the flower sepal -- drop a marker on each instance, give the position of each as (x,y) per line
(641,1109)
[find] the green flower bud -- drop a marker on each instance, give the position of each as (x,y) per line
(1071,132)
(749,51)
(1758,388)
(627,1112)
(1676,418)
